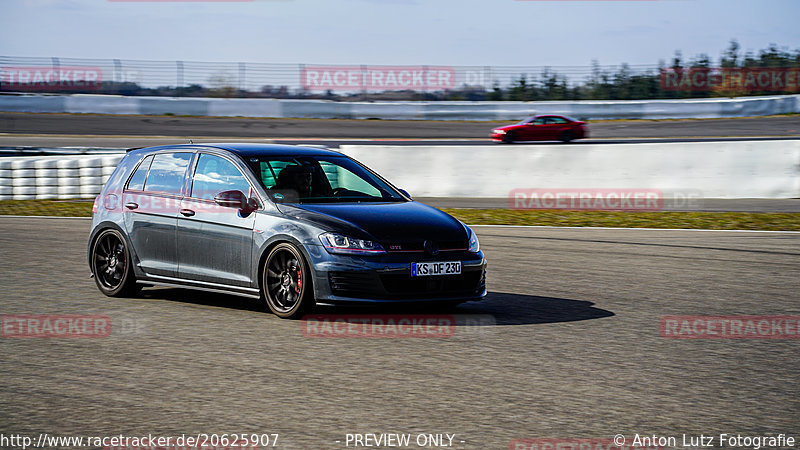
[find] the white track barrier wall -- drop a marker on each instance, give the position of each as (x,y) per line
(322,109)
(744,169)
(55,177)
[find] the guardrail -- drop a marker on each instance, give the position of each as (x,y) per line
(740,169)
(323,109)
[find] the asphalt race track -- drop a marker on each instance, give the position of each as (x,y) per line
(567,346)
(27,133)
(109,125)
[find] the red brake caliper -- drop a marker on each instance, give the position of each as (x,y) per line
(299,281)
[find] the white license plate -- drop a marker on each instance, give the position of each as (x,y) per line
(427,269)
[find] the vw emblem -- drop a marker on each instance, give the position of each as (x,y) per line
(431,248)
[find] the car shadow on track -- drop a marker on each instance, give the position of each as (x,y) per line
(519,309)
(498,308)
(201,298)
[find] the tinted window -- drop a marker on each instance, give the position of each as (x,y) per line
(341,178)
(214,175)
(167,172)
(311,179)
(137,179)
(557,120)
(538,121)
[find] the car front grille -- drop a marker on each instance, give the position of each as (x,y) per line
(418,246)
(389,285)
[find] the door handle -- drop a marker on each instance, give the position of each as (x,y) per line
(187,212)
(131,205)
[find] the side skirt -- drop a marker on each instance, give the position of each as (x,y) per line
(200,285)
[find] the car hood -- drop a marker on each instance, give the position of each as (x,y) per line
(388,223)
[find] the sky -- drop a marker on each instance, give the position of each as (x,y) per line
(432,32)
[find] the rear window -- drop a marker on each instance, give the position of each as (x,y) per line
(137,179)
(167,173)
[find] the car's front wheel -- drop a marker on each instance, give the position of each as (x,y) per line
(111,265)
(509,138)
(286,282)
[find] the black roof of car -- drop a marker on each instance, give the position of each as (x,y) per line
(251,150)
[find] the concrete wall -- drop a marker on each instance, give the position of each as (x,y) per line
(591,110)
(743,169)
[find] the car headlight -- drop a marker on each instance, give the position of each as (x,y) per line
(345,245)
(499,131)
(474,245)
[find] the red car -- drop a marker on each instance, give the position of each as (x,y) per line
(542,128)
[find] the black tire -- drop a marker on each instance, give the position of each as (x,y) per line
(111,265)
(286,282)
(509,138)
(566,137)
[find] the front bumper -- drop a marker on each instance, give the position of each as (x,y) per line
(387,279)
(497,137)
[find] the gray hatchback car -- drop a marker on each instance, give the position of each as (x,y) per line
(289,225)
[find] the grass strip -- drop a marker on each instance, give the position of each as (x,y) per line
(61,208)
(552,217)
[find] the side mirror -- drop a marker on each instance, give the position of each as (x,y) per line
(405,192)
(252,205)
(232,199)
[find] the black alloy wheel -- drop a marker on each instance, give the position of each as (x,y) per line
(111,265)
(286,284)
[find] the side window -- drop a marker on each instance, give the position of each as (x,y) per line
(137,179)
(557,120)
(538,121)
(214,175)
(167,172)
(270,171)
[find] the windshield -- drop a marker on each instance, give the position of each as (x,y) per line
(320,179)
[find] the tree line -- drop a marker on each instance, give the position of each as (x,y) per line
(621,83)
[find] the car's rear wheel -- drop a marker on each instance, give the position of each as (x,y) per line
(566,136)
(286,283)
(111,265)
(509,137)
